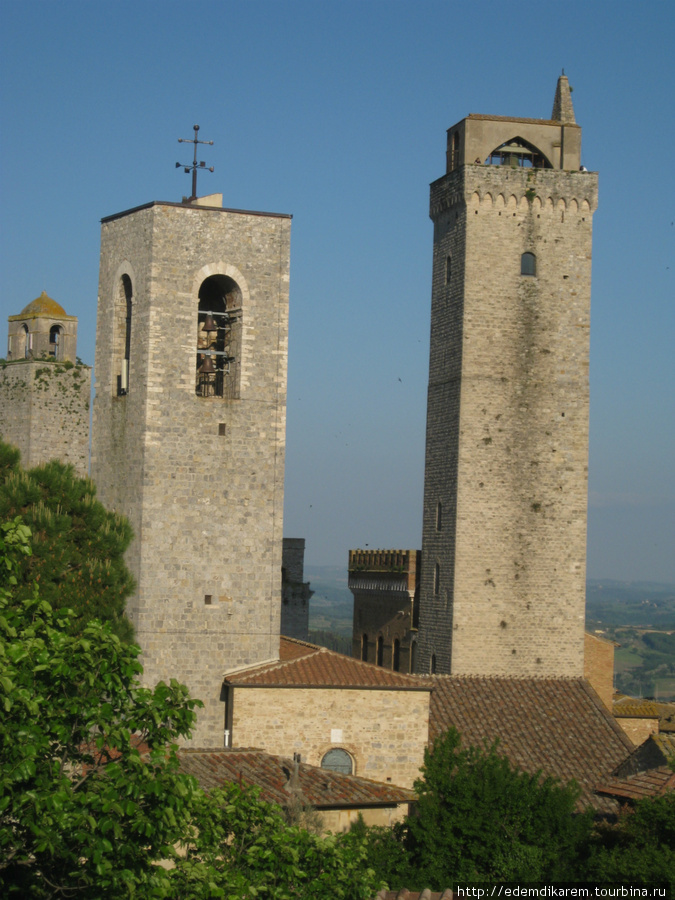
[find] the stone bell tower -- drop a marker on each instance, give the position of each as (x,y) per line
(44,388)
(189,432)
(505,498)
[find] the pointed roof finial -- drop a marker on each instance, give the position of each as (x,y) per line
(563,110)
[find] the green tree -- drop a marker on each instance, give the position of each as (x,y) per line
(479,818)
(244,848)
(78,546)
(640,848)
(92,798)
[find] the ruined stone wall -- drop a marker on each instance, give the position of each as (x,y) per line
(503,583)
(44,411)
(200,478)
(384,731)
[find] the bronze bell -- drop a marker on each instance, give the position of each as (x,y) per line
(210,323)
(207,367)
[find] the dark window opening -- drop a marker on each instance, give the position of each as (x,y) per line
(448,269)
(208,599)
(518,153)
(55,346)
(432,664)
(364,648)
(437,579)
(528,264)
(27,342)
(380,651)
(123,335)
(338,760)
(439,516)
(217,336)
(396,656)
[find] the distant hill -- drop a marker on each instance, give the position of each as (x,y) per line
(637,615)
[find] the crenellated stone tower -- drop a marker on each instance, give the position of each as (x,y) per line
(44,388)
(505,499)
(189,432)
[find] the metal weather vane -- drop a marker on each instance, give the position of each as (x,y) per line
(195,166)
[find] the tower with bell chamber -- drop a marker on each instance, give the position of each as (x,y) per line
(189,432)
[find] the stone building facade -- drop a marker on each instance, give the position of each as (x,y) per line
(505,497)
(320,704)
(44,389)
(189,432)
(295,593)
(385,585)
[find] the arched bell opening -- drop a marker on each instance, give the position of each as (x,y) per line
(518,153)
(218,337)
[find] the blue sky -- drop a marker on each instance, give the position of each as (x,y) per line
(336,113)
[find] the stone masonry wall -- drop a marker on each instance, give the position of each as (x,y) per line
(201,479)
(507,423)
(384,731)
(44,411)
(599,667)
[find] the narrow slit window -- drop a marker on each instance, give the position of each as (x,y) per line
(439,516)
(380,651)
(437,579)
(448,269)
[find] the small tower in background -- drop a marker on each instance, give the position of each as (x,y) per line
(44,390)
(505,494)
(295,592)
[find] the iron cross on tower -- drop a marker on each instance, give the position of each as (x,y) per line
(195,165)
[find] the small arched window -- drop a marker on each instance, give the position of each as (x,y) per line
(122,336)
(55,347)
(380,651)
(528,264)
(439,516)
(396,656)
(432,664)
(27,342)
(437,579)
(364,648)
(338,760)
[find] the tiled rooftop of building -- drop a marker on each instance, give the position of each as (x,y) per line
(629,707)
(558,726)
(652,783)
(320,788)
(306,665)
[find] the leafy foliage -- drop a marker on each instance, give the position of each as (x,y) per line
(640,848)
(78,546)
(479,819)
(92,799)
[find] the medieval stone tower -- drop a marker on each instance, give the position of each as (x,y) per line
(189,432)
(44,388)
(505,498)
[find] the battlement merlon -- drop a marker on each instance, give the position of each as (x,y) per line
(543,188)
(382,569)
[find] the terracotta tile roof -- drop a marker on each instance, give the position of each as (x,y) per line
(556,725)
(320,788)
(629,707)
(305,665)
(652,783)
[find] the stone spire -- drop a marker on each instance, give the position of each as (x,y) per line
(563,111)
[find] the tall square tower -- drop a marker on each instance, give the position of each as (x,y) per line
(505,497)
(189,432)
